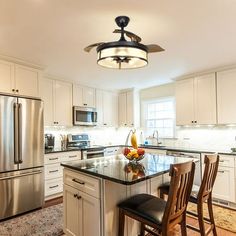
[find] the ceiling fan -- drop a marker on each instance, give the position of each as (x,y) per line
(123,54)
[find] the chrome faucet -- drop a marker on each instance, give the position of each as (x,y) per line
(157,136)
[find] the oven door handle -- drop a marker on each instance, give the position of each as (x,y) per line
(94,152)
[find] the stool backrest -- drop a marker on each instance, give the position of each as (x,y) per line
(180,189)
(209,176)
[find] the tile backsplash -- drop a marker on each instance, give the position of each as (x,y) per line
(211,138)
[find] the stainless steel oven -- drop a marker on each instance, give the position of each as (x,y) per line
(93,152)
(84,116)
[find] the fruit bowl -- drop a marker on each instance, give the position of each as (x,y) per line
(136,169)
(133,153)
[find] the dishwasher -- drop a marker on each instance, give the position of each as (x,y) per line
(198,168)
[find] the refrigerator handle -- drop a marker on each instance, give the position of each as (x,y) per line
(20,133)
(16,135)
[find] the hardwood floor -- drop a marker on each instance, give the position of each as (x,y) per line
(220,232)
(53,201)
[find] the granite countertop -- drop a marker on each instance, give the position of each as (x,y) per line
(168,148)
(120,170)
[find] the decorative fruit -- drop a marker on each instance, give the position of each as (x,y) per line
(126,151)
(140,151)
(134,140)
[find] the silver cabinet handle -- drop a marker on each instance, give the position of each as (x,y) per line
(78,181)
(55,186)
(221,171)
(20,132)
(72,156)
(53,171)
(52,159)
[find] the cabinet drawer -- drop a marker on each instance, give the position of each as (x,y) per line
(81,182)
(72,156)
(227,161)
(53,171)
(224,187)
(53,158)
(53,186)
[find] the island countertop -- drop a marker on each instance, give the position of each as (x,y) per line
(119,169)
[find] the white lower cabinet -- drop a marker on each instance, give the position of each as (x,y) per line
(81,210)
(54,172)
(155,151)
(224,187)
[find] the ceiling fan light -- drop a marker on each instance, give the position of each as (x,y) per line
(122,57)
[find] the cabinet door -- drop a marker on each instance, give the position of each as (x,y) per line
(46,94)
(224,187)
(226,84)
(6,77)
(99,107)
(26,80)
(90,210)
(122,109)
(88,97)
(205,99)
(72,213)
(109,108)
(77,95)
(63,103)
(185,102)
(130,111)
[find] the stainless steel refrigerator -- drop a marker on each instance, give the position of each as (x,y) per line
(21,155)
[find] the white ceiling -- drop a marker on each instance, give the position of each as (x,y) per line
(197,35)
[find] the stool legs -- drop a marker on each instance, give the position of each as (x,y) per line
(210,210)
(183,226)
(121,223)
(201,218)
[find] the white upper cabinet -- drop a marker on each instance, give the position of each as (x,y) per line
(196,100)
(26,80)
(57,98)
(226,103)
(205,99)
(184,95)
(107,108)
(6,76)
(63,103)
(83,96)
(18,79)
(46,94)
(129,109)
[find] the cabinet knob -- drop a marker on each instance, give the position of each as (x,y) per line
(85,104)
(13,90)
(17,90)
(79,197)
(105,124)
(125,124)
(195,121)
(192,122)
(75,195)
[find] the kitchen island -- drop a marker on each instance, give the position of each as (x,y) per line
(93,188)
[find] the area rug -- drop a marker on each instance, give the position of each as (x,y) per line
(44,222)
(224,218)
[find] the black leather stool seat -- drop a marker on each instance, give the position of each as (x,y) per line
(146,206)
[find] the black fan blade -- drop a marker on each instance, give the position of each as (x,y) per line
(88,48)
(154,48)
(131,35)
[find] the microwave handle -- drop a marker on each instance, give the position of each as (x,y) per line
(95,116)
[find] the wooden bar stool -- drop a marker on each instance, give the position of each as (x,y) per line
(201,195)
(158,217)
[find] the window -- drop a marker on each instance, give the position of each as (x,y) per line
(160,116)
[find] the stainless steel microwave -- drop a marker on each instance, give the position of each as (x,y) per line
(84,116)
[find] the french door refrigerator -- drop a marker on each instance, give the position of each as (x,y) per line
(21,155)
